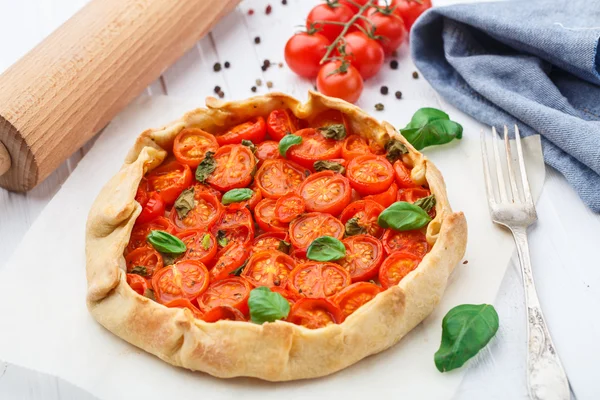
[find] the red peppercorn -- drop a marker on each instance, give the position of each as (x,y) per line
(250,12)
(269,9)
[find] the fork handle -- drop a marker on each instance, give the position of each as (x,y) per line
(546,377)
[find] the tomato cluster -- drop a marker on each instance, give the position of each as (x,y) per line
(262,240)
(361,37)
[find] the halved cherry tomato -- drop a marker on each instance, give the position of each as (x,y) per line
(185,303)
(207,209)
(299,255)
(318,279)
(315,313)
(410,10)
(191,145)
(183,280)
(314,147)
(403,178)
(141,231)
(204,188)
(413,242)
(364,254)
(201,245)
(278,177)
(355,146)
(137,283)
(235,164)
(220,313)
(396,267)
(280,123)
(142,195)
(356,295)
(340,79)
(254,130)
(388,25)
(366,212)
(331,117)
(269,241)
(326,12)
(386,198)
(252,202)
(306,228)
(231,292)
(145,257)
(267,150)
(304,51)
(235,224)
(264,213)
(370,174)
(170,180)
(228,259)
(154,208)
(355,196)
(289,206)
(412,194)
(326,191)
(291,297)
(269,268)
(364,53)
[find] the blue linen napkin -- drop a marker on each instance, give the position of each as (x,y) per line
(533,63)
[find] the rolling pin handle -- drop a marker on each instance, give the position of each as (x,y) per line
(4,160)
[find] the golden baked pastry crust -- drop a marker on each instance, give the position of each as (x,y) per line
(276,351)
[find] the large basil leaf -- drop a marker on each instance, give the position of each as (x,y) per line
(206,167)
(166,243)
(326,248)
(267,306)
(288,141)
(403,216)
(237,195)
(429,127)
(185,203)
(466,329)
(425,115)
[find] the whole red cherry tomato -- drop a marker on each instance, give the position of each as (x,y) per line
(387,24)
(332,13)
(410,10)
(340,79)
(356,3)
(364,53)
(304,51)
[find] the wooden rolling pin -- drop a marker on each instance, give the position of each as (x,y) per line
(72,84)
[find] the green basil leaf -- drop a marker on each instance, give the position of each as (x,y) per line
(434,133)
(267,306)
(426,203)
(238,271)
(288,141)
(139,270)
(329,166)
(206,241)
(185,203)
(335,131)
(249,144)
(237,195)
(222,239)
(326,248)
(353,228)
(403,216)
(206,167)
(423,116)
(166,243)
(394,150)
(284,247)
(466,329)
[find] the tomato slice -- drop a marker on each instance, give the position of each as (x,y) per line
(254,130)
(198,248)
(137,283)
(228,259)
(314,147)
(207,209)
(366,212)
(170,180)
(411,195)
(402,173)
(355,146)
(306,228)
(278,177)
(318,279)
(204,188)
(269,241)
(331,117)
(183,280)
(299,255)
(220,313)
(185,303)
(326,191)
(315,313)
(264,213)
(152,209)
(235,165)
(235,224)
(413,242)
(386,198)
(267,150)
(269,268)
(290,296)
(370,174)
(364,255)
(289,206)
(141,231)
(280,123)
(252,202)
(142,195)
(396,267)
(145,260)
(191,145)
(355,295)
(231,292)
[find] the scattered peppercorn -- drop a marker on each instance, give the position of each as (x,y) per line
(416,75)
(217,67)
(253,88)
(227,64)
(250,12)
(257,40)
(217,89)
(267,63)
(258,82)
(394,64)
(221,94)
(280,65)
(398,94)
(269,9)
(263,68)
(379,107)
(284,2)
(384,90)
(465,262)
(269,84)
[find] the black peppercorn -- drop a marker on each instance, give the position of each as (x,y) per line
(394,64)
(227,64)
(217,89)
(384,90)
(217,67)
(284,2)
(416,75)
(253,88)
(379,107)
(257,40)
(221,94)
(398,94)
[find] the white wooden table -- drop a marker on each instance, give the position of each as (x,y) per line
(564,242)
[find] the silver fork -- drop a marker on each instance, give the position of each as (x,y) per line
(546,378)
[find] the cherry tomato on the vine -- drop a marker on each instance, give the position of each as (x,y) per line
(410,10)
(304,51)
(330,13)
(364,53)
(341,80)
(388,25)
